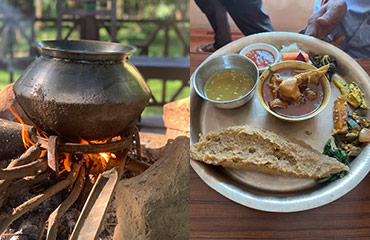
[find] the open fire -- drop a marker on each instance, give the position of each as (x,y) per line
(72,163)
(97,162)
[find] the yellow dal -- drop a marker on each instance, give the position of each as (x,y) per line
(228,85)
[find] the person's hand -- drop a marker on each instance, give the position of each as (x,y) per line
(324,21)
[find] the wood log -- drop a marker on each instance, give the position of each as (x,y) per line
(55,216)
(31,154)
(89,183)
(11,139)
(34,202)
(31,169)
(28,182)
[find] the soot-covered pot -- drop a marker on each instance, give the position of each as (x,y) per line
(82,89)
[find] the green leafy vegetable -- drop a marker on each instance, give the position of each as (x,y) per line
(322,60)
(270,69)
(340,155)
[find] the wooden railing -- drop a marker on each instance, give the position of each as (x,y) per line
(111,15)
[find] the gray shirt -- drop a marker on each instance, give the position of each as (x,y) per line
(355,25)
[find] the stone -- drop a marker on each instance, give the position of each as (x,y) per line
(173,133)
(152,140)
(155,204)
(176,116)
(7,99)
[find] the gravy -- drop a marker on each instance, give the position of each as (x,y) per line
(293,109)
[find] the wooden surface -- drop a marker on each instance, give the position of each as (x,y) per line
(213,216)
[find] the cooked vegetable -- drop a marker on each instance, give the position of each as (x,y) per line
(355,138)
(322,60)
(341,84)
(352,123)
(294,56)
(340,155)
(348,143)
(364,135)
(340,115)
(355,96)
(362,121)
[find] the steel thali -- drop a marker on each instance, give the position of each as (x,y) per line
(272,193)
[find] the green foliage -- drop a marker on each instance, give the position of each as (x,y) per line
(156,86)
(164,11)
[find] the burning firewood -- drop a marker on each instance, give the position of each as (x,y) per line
(5,221)
(30,169)
(30,155)
(54,218)
(80,164)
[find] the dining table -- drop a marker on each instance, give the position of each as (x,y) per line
(213,216)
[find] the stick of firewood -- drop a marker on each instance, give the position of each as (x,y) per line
(30,155)
(30,169)
(34,202)
(54,218)
(22,184)
(27,182)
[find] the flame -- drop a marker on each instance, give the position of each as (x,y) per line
(67,161)
(66,158)
(105,156)
(101,158)
(43,153)
(27,142)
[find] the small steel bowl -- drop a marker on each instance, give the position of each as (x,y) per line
(222,62)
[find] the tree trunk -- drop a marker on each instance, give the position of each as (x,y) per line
(39,8)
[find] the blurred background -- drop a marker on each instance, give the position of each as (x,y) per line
(285,15)
(158,28)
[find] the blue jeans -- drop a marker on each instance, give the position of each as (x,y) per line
(248,15)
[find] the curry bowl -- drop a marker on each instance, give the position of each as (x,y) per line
(293,111)
(218,64)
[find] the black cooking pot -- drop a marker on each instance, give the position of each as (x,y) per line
(82,89)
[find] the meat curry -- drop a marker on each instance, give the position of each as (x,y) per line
(293,94)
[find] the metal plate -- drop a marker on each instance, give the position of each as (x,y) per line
(274,193)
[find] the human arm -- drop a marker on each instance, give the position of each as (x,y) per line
(324,21)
